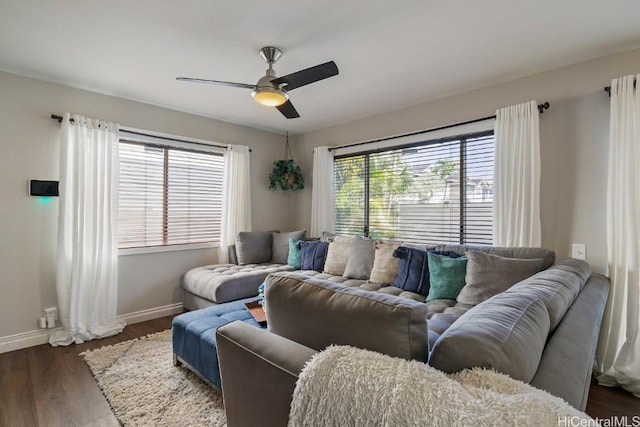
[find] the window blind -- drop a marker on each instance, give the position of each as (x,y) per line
(350,199)
(430,192)
(168,196)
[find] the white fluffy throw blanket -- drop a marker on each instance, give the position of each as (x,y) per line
(346,386)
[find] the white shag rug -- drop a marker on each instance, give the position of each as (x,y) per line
(346,386)
(144,388)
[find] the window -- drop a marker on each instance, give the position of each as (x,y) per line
(168,196)
(430,192)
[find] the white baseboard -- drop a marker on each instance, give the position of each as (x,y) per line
(25,339)
(151,313)
(41,336)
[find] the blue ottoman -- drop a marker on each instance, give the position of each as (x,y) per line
(194,337)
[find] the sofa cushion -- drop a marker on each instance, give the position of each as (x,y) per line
(385,266)
(360,261)
(313,255)
(446,276)
(557,287)
(318,313)
(413,269)
(573,343)
(507,333)
(548,255)
(222,283)
(280,245)
(254,247)
(337,255)
(447,306)
(488,275)
(438,323)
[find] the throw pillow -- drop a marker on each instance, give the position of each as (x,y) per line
(385,266)
(295,254)
(488,275)
(337,255)
(313,255)
(253,247)
(413,269)
(280,245)
(446,276)
(360,261)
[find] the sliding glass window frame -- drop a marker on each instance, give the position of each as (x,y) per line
(406,177)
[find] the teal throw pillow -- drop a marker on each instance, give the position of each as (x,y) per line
(295,254)
(446,276)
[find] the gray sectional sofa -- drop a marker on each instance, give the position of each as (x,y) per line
(519,312)
(542,330)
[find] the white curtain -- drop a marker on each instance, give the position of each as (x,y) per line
(516,176)
(87,260)
(618,354)
(322,202)
(236,197)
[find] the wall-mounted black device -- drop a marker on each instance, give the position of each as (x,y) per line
(43,188)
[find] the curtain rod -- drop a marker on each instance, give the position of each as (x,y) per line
(608,88)
(59,119)
(541,108)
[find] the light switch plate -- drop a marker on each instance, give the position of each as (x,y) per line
(579,251)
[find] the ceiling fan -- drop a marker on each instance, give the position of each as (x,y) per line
(272,91)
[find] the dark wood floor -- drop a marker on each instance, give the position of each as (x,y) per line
(608,402)
(46,386)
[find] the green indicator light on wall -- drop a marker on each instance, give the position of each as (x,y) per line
(45,190)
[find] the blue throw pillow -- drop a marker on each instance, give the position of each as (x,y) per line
(295,253)
(313,255)
(413,269)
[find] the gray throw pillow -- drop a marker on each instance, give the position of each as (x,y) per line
(488,275)
(360,261)
(385,266)
(254,247)
(337,255)
(280,245)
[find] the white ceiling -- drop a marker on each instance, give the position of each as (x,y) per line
(390,54)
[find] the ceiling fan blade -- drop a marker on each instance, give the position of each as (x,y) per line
(216,82)
(307,76)
(288,110)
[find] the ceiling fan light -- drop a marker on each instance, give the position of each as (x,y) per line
(269,97)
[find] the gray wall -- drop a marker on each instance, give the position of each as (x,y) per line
(29,149)
(574,134)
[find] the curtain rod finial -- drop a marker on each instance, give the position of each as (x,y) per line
(542,107)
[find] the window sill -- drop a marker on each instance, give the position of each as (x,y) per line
(170,248)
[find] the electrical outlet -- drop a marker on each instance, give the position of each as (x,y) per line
(579,251)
